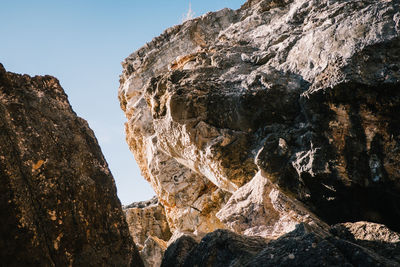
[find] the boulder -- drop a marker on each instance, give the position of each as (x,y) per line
(304,246)
(58,200)
(149,229)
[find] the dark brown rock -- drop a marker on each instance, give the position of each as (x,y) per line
(219,248)
(58,200)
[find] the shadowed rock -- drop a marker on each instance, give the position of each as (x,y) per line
(176,253)
(58,199)
(224,248)
(305,246)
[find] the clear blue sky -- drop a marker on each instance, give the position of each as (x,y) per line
(82,42)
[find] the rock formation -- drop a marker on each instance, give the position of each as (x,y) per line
(147,219)
(149,229)
(279,114)
(304,246)
(58,199)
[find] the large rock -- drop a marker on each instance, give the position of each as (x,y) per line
(304,246)
(58,200)
(307,247)
(224,248)
(305,94)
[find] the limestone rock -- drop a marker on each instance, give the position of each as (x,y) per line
(142,204)
(147,219)
(58,201)
(260,209)
(305,94)
(149,229)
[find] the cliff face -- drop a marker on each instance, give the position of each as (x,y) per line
(301,93)
(279,113)
(58,199)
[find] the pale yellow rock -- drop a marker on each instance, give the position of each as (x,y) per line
(147,221)
(259,208)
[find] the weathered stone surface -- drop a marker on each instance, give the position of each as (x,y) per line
(149,229)
(147,219)
(304,246)
(153,251)
(176,253)
(303,93)
(376,237)
(224,248)
(142,204)
(58,201)
(190,198)
(260,209)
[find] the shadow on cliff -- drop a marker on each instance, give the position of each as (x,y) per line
(364,149)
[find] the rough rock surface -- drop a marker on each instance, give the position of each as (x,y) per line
(304,246)
(153,251)
(299,90)
(376,237)
(149,229)
(259,208)
(279,113)
(177,252)
(58,202)
(147,219)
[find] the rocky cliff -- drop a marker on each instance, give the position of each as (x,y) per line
(279,114)
(58,202)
